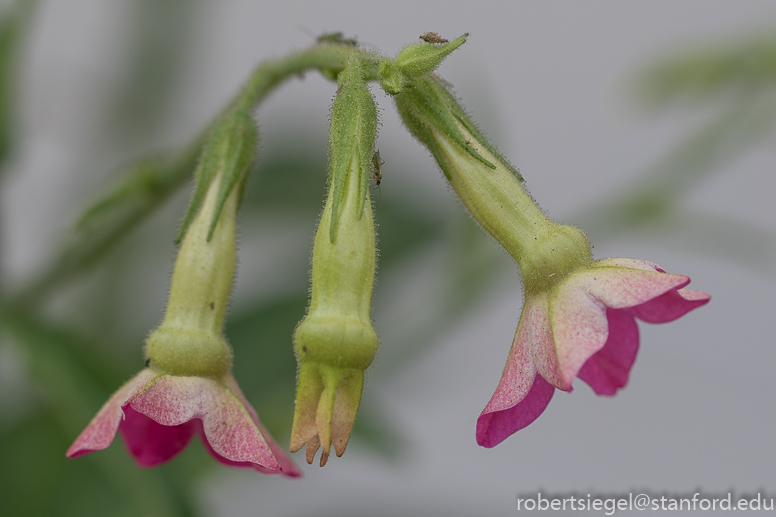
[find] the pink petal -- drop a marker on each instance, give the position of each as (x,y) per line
(521,395)
(151,443)
(670,306)
(228,427)
(580,328)
(495,427)
(534,332)
(644,265)
(102,429)
(607,370)
(287,466)
(619,287)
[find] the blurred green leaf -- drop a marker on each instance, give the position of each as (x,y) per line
(137,194)
(289,177)
(739,68)
(14,26)
(264,365)
(738,80)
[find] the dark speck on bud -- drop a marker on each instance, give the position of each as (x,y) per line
(432,37)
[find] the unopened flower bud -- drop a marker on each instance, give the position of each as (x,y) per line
(423,58)
(415,60)
(336,342)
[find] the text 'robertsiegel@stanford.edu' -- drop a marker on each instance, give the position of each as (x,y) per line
(609,504)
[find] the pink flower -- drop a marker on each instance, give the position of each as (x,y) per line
(158,414)
(585,326)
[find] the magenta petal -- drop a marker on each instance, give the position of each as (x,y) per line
(522,393)
(287,466)
(228,427)
(493,428)
(619,287)
(670,306)
(535,334)
(607,370)
(102,429)
(151,443)
(580,329)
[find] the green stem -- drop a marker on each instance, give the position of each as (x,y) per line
(329,59)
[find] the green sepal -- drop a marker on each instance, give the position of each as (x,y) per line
(429,104)
(423,58)
(352,134)
(462,117)
(230,148)
(239,153)
(425,105)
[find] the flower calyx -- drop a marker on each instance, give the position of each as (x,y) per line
(229,153)
(415,60)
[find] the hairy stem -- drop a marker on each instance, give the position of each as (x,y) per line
(123,210)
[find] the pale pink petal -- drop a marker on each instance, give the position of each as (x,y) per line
(670,306)
(607,370)
(521,395)
(102,429)
(644,265)
(579,326)
(228,427)
(619,288)
(151,443)
(534,332)
(287,466)
(495,427)
(229,463)
(519,372)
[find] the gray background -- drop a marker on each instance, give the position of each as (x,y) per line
(551,83)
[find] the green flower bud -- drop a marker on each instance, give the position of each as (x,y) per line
(423,58)
(416,60)
(190,340)
(336,342)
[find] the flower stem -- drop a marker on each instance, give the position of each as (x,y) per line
(129,207)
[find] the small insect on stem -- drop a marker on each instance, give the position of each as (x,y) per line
(432,37)
(377,170)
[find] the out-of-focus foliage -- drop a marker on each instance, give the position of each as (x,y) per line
(711,72)
(736,84)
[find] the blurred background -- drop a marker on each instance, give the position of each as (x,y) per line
(650,125)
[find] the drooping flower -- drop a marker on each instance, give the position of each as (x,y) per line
(187,387)
(336,342)
(584,326)
(158,414)
(579,315)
